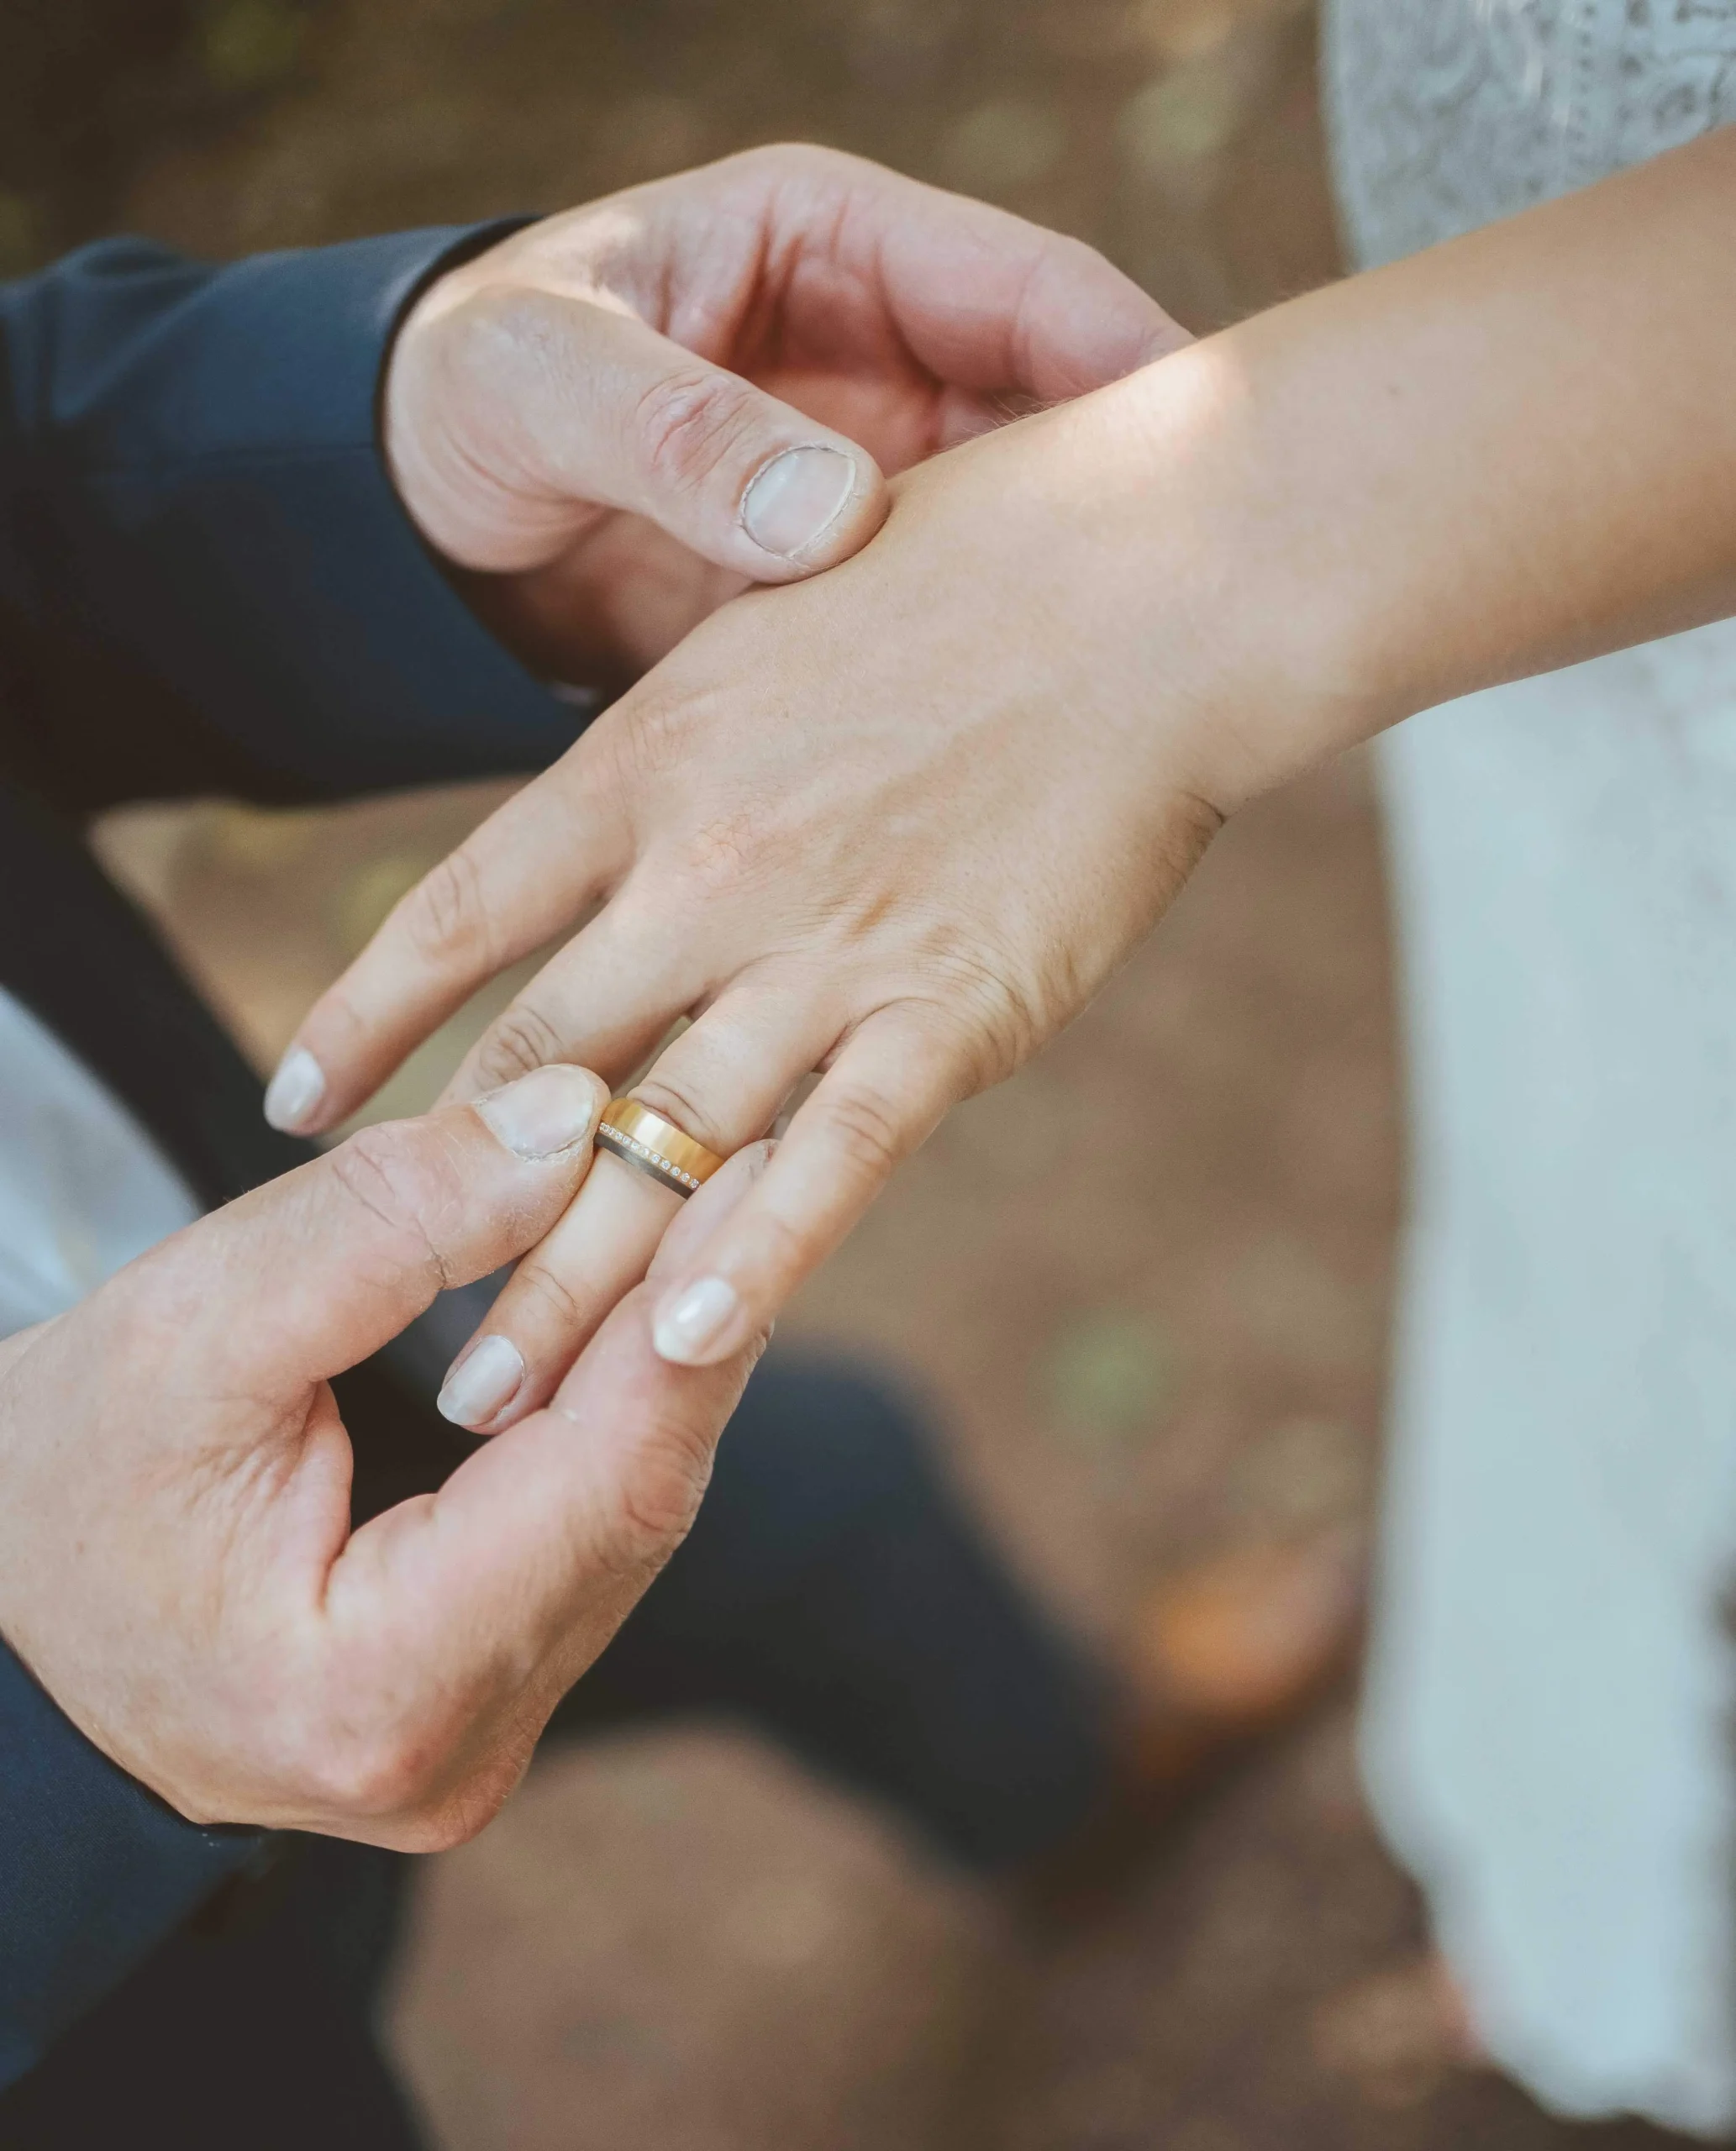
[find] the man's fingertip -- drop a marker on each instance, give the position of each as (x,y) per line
(802,497)
(552,1110)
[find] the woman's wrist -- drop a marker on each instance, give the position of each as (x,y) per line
(1476,464)
(1209,622)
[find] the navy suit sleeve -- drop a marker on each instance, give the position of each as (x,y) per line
(195,521)
(191,486)
(93,1870)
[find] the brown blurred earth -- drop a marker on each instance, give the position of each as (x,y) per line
(1147,1284)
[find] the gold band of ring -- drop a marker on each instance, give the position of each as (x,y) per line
(655,1147)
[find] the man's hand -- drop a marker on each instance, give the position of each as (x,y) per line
(621,416)
(176,1564)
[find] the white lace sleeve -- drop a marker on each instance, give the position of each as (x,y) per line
(1449,113)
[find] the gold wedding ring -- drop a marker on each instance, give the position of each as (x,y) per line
(655,1147)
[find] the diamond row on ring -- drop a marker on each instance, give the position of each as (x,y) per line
(614,1139)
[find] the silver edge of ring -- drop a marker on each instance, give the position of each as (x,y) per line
(643,1158)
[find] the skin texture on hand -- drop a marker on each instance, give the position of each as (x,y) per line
(176,1564)
(901,821)
(623,415)
(919,903)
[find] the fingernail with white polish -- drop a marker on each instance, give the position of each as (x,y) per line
(796,498)
(544,1112)
(295,1091)
(691,1325)
(484,1382)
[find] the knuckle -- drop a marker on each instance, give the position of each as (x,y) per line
(793,157)
(444,917)
(865,1127)
(365,1776)
(811,167)
(742,848)
(676,1102)
(724,855)
(652,742)
(546,1288)
(521,1039)
(658,1499)
(452,1814)
(991,1016)
(688,422)
(407,1194)
(444,1829)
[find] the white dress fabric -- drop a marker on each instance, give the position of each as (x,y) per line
(1552,1704)
(82,1188)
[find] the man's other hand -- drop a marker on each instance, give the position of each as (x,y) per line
(177,1566)
(621,416)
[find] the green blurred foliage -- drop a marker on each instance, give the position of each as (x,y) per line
(1110,1373)
(248,44)
(20,233)
(85,85)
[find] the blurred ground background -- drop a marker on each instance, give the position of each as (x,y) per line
(1140,1353)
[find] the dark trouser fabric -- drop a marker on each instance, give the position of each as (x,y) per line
(835,1593)
(253,2029)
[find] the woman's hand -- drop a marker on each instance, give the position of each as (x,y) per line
(855,825)
(901,821)
(620,417)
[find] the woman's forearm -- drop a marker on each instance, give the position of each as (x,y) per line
(1509,453)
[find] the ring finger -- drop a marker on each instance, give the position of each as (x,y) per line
(722,1083)
(618,985)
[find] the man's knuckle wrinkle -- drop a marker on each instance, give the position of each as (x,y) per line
(363,1776)
(372,1175)
(657,1504)
(687,423)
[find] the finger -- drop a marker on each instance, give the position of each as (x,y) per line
(532,868)
(586,404)
(724,1081)
(988,302)
(309,1275)
(617,987)
(876,269)
(888,1089)
(555,1300)
(535,1550)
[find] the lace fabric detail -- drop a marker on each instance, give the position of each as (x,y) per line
(1449,113)
(1547,1734)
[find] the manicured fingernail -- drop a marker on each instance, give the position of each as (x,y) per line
(543,1113)
(690,1326)
(796,498)
(484,1381)
(294,1092)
